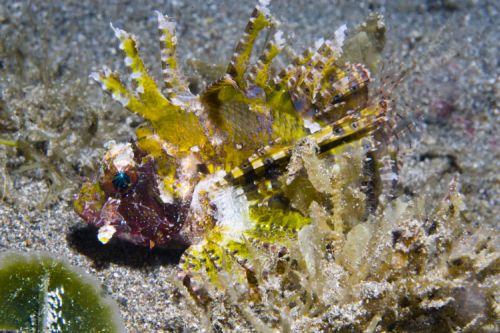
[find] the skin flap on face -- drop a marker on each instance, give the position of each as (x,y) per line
(121,155)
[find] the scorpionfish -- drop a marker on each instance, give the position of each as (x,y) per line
(204,171)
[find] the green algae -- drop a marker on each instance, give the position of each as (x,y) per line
(41,294)
(366,43)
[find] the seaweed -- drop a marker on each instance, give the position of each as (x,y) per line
(48,119)
(41,294)
(407,267)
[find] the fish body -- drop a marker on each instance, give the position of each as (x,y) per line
(205,172)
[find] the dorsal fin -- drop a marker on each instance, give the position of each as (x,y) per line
(174,83)
(171,120)
(237,68)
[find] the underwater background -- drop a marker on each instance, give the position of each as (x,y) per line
(54,123)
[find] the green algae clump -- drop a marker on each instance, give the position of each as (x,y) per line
(41,294)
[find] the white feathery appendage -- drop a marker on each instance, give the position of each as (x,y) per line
(263,6)
(165,22)
(279,39)
(120,98)
(122,35)
(338,42)
(95,76)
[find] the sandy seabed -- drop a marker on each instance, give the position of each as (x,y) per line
(48,49)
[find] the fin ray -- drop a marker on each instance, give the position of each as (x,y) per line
(168,46)
(111,83)
(146,87)
(238,65)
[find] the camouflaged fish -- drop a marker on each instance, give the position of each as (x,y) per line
(204,172)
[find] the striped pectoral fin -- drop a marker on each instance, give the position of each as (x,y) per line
(273,160)
(203,264)
(217,259)
(276,226)
(224,261)
(350,128)
(197,274)
(238,66)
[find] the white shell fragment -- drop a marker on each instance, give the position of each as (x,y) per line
(105,233)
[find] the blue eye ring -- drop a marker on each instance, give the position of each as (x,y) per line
(121,181)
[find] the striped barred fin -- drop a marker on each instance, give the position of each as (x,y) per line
(262,68)
(238,66)
(349,82)
(284,77)
(343,131)
(256,168)
(112,84)
(168,46)
(219,253)
(146,87)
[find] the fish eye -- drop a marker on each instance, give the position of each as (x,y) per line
(121,181)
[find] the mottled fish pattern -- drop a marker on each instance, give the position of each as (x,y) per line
(205,171)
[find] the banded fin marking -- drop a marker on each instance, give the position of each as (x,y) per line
(346,86)
(343,131)
(239,62)
(111,83)
(168,47)
(155,103)
(148,101)
(272,50)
